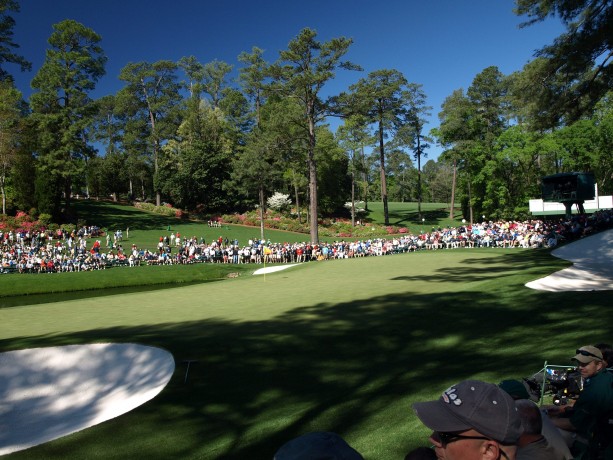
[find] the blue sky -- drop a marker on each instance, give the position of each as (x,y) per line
(440,44)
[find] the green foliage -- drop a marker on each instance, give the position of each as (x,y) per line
(7,45)
(337,227)
(578,145)
(301,73)
(194,168)
(166,210)
(214,79)
(332,166)
(150,104)
(217,149)
(63,110)
(44,219)
(11,134)
(577,67)
(68,228)
(379,99)
(22,172)
(47,191)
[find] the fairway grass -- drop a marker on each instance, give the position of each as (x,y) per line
(342,345)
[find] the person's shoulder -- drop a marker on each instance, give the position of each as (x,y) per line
(539,450)
(604,377)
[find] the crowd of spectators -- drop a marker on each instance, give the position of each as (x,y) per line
(48,252)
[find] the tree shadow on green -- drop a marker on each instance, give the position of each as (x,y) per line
(431,217)
(492,265)
(338,367)
(119,217)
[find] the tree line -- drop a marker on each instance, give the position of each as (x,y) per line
(187,133)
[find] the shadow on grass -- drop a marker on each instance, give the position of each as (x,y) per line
(431,217)
(335,367)
(116,216)
(35,299)
(480,268)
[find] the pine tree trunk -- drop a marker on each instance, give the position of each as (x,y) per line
(297,199)
(313,211)
(453,190)
(352,199)
(386,216)
(419,198)
(262,213)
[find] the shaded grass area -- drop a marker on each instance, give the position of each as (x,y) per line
(406,214)
(24,289)
(113,216)
(146,228)
(345,346)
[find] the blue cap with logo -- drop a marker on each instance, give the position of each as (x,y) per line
(473,404)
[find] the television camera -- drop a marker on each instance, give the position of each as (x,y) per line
(561,382)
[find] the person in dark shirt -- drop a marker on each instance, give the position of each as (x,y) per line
(592,409)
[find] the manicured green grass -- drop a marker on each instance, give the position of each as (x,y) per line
(434,215)
(146,228)
(16,289)
(345,346)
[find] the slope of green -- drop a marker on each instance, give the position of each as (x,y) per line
(344,345)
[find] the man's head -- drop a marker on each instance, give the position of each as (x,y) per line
(472,420)
(531,418)
(607,353)
(589,361)
(518,389)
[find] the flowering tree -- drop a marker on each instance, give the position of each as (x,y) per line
(359,207)
(279,201)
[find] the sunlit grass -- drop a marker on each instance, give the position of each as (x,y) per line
(344,346)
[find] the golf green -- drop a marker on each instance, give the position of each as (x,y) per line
(343,345)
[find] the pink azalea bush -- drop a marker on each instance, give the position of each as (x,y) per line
(23,222)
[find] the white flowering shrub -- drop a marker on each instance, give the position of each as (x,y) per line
(359,206)
(279,201)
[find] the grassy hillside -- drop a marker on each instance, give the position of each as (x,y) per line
(145,228)
(406,215)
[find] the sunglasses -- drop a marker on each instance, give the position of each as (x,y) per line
(447,438)
(587,353)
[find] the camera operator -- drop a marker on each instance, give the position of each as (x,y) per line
(592,406)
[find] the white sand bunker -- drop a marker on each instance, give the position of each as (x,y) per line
(592,269)
(47,393)
(274,268)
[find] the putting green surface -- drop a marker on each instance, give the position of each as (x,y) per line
(315,284)
(342,346)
